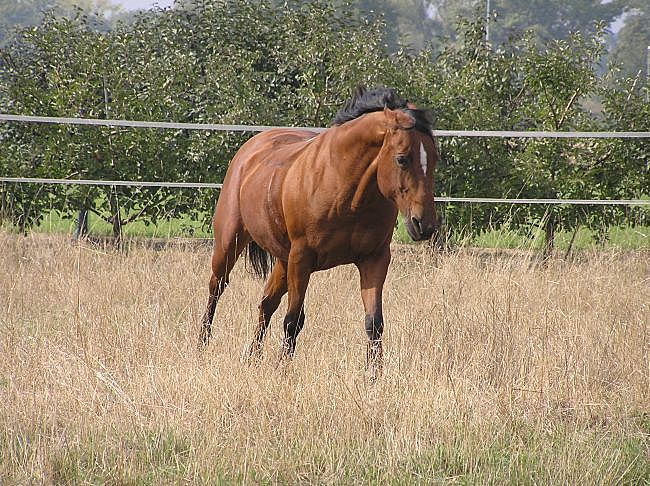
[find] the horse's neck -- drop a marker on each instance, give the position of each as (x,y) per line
(358,142)
(368,129)
(355,151)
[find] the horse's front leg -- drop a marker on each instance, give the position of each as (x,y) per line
(372,272)
(299,269)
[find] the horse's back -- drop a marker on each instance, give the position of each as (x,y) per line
(273,148)
(251,194)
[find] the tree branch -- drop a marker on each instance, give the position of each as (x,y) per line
(567,108)
(148,205)
(551,105)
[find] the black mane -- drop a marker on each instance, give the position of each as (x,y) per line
(366,101)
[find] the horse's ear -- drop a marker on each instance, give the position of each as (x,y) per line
(397,119)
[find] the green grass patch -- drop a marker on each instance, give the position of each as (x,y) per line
(183,227)
(489,453)
(616,237)
(149,458)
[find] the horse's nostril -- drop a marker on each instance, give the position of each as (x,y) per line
(416,224)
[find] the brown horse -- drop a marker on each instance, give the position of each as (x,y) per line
(314,201)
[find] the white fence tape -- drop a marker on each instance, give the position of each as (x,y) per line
(146,124)
(261,128)
(536,134)
(93,182)
(207,185)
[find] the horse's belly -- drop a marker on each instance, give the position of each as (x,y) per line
(268,235)
(340,247)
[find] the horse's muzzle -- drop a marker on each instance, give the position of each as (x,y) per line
(417,230)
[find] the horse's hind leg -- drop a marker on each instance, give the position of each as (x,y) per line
(275,288)
(228,245)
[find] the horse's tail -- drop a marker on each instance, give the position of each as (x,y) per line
(260,260)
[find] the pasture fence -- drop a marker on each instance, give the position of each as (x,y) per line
(261,128)
(208,185)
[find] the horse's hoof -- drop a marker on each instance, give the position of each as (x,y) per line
(252,355)
(204,335)
(373,374)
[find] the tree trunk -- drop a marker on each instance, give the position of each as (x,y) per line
(117,230)
(4,206)
(573,239)
(116,219)
(549,241)
(81,228)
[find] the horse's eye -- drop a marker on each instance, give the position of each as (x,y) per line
(403,161)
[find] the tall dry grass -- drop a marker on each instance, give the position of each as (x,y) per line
(497,370)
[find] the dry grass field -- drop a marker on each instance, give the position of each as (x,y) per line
(498,370)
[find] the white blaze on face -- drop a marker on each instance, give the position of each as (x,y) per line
(423,158)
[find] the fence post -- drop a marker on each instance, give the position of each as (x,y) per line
(3,204)
(81,226)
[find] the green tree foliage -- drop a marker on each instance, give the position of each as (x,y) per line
(622,167)
(294,63)
(46,71)
(548,19)
(558,77)
(24,13)
(209,61)
(524,85)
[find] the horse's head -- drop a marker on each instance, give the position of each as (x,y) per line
(405,169)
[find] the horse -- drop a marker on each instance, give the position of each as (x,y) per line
(303,201)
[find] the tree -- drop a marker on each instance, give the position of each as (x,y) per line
(15,15)
(48,70)
(20,14)
(295,64)
(623,166)
(548,19)
(518,85)
(470,86)
(630,52)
